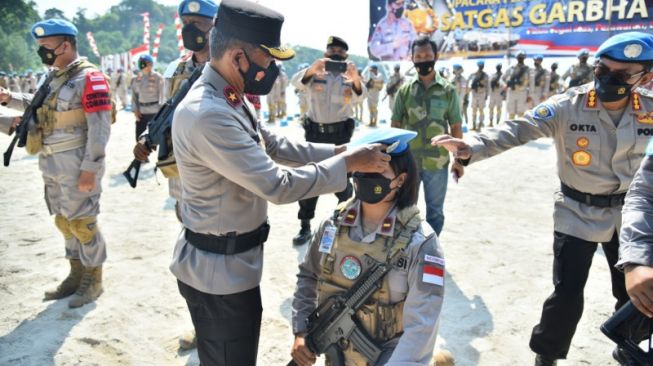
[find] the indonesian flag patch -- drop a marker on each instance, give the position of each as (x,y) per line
(96,97)
(433,275)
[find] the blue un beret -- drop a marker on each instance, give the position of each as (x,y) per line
(480,63)
(53,27)
(146,58)
(628,47)
(387,136)
(204,8)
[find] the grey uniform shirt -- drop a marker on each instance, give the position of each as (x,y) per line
(147,93)
(593,155)
(636,239)
(330,98)
(228,178)
(423,301)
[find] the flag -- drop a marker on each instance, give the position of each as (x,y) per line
(91,41)
(157,40)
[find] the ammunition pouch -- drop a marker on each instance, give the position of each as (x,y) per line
(64,226)
(34,143)
(168,167)
(84,229)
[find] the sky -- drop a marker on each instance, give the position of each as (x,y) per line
(308,22)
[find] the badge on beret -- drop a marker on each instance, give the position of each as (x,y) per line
(350,267)
(231,96)
(39,31)
(543,112)
(633,50)
(194,6)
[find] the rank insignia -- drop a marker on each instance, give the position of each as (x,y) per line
(637,104)
(350,267)
(583,142)
(581,158)
(543,112)
(231,96)
(350,217)
(386,227)
(591,99)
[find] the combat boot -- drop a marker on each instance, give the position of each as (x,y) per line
(188,341)
(69,284)
(304,234)
(624,358)
(89,289)
(545,361)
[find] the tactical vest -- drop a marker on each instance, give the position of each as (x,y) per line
(381,319)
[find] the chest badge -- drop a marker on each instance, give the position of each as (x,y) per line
(350,267)
(583,142)
(581,158)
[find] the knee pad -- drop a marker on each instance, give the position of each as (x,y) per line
(84,229)
(64,226)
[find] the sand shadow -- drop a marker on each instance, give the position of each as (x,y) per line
(463,320)
(45,334)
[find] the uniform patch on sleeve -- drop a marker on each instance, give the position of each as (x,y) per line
(543,112)
(433,274)
(96,97)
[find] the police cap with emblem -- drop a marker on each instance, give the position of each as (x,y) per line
(253,23)
(203,8)
(54,27)
(628,47)
(396,138)
(335,41)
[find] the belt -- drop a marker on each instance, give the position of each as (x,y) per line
(230,243)
(49,149)
(147,104)
(327,127)
(609,200)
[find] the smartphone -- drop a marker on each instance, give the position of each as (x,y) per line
(336,67)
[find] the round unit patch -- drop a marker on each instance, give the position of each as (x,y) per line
(194,6)
(581,158)
(350,267)
(39,31)
(633,50)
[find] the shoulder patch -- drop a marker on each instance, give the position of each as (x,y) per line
(96,96)
(232,97)
(543,112)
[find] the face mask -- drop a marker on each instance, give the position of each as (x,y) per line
(424,68)
(399,12)
(520,60)
(47,55)
(259,81)
(610,88)
(194,38)
(337,57)
(371,187)
(142,65)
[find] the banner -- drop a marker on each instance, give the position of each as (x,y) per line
(494,28)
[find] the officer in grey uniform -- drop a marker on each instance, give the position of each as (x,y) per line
(395,82)
(147,94)
(479,83)
(517,81)
(580,73)
(540,80)
(70,139)
(555,86)
(393,34)
(29,82)
(374,86)
(600,132)
(497,92)
(329,118)
(225,162)
(14,83)
(460,83)
(119,86)
(377,225)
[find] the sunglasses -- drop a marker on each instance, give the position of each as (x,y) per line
(620,75)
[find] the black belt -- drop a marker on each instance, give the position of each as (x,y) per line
(337,127)
(230,243)
(608,200)
(147,104)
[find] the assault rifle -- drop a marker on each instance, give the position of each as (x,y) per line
(494,83)
(159,127)
(626,328)
(476,82)
(516,77)
(333,324)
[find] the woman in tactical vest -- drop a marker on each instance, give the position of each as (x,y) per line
(379,228)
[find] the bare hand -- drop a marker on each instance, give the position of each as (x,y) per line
(459,148)
(14,123)
(5,95)
(86,182)
(317,68)
(458,170)
(301,354)
(138,116)
(141,152)
(639,284)
(351,75)
(367,159)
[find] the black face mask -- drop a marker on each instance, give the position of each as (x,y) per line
(399,12)
(259,81)
(424,68)
(194,38)
(371,187)
(337,57)
(611,88)
(47,55)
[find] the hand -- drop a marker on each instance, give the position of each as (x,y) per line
(459,148)
(86,182)
(639,284)
(138,115)
(458,170)
(367,159)
(301,354)
(5,95)
(141,152)
(317,68)
(351,75)
(14,123)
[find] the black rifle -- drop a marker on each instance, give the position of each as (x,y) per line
(159,127)
(627,327)
(539,76)
(392,88)
(476,82)
(333,324)
(495,81)
(516,77)
(30,114)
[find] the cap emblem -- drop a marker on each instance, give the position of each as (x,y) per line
(633,50)
(39,31)
(194,6)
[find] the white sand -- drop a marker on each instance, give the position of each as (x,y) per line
(497,240)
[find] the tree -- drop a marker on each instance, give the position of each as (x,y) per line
(54,13)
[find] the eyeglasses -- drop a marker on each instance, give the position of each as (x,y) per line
(620,75)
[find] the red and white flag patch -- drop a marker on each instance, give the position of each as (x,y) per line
(96,97)
(433,275)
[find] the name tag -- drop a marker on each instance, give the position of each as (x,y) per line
(326,243)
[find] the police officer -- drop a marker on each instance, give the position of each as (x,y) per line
(600,132)
(329,118)
(4,80)
(71,136)
(119,86)
(393,34)
(358,103)
(374,86)
(479,84)
(540,80)
(497,94)
(555,86)
(395,82)
(517,81)
(377,225)
(460,83)
(29,82)
(14,83)
(580,73)
(228,175)
(276,98)
(282,79)
(147,94)
(301,96)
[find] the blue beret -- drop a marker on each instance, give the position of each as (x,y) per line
(204,8)
(387,136)
(583,52)
(480,63)
(538,57)
(53,27)
(146,58)
(457,66)
(628,47)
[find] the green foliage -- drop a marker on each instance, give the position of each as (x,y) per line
(18,47)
